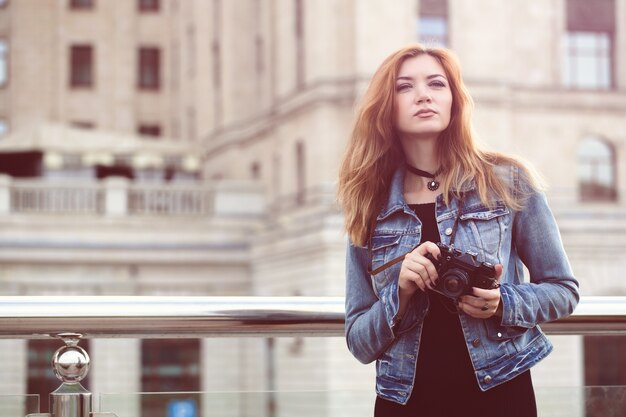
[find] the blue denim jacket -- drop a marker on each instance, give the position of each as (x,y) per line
(500,348)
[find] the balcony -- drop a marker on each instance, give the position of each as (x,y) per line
(117,196)
(250,317)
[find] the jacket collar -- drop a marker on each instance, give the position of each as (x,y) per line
(395,199)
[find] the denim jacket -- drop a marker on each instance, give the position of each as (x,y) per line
(500,348)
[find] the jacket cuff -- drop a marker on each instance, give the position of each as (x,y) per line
(390,298)
(509,312)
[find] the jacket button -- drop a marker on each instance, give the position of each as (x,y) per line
(487,379)
(476,342)
(448,231)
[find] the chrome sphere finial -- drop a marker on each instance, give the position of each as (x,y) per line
(70,362)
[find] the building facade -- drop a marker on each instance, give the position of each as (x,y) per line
(209,135)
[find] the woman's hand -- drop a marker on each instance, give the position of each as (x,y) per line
(483,303)
(417,272)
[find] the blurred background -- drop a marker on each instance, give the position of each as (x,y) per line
(191,147)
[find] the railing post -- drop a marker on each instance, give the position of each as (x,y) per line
(116,194)
(71,365)
(5,194)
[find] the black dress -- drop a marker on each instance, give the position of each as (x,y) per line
(445,384)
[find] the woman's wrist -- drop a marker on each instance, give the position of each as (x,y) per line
(498,312)
(404,295)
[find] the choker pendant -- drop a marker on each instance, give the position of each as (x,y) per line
(433,184)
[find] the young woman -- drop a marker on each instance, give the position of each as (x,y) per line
(415,187)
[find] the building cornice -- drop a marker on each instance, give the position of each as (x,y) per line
(335,91)
(547,98)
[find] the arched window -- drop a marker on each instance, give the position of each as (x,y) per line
(596,171)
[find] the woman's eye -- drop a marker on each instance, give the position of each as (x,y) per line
(437,84)
(403,87)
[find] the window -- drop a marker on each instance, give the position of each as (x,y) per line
(149,130)
(148,5)
(432,22)
(596,171)
(589,44)
(72,167)
(82,124)
(81,4)
(40,378)
(81,66)
(217,79)
(588,60)
(4,62)
(276,176)
(191,47)
(300,174)
(255,170)
(4,127)
(149,68)
(300,42)
(216,59)
(170,365)
(259,59)
(191,122)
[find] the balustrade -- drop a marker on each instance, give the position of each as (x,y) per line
(118,196)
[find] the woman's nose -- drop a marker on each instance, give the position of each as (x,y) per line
(422,98)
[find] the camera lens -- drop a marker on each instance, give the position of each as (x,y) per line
(454,282)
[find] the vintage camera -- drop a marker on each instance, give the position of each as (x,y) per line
(460,271)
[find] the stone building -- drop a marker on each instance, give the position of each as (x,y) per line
(200,142)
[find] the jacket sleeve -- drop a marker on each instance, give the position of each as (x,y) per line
(552,292)
(371,320)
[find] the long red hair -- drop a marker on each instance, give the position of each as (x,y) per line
(374,151)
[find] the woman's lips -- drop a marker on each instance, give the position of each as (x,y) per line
(425,113)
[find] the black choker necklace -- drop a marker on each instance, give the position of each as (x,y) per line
(432,184)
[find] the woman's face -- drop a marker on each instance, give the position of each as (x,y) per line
(423,100)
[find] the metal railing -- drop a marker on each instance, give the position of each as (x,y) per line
(24,317)
(72,318)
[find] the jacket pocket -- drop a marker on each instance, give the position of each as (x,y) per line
(384,248)
(486,228)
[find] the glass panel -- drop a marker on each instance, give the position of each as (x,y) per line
(18,405)
(551,402)
(241,404)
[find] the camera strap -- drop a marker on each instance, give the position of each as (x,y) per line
(401,257)
(455,226)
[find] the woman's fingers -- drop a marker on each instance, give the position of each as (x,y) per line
(414,274)
(499,269)
(481,304)
(418,269)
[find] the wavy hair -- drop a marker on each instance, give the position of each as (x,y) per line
(374,151)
